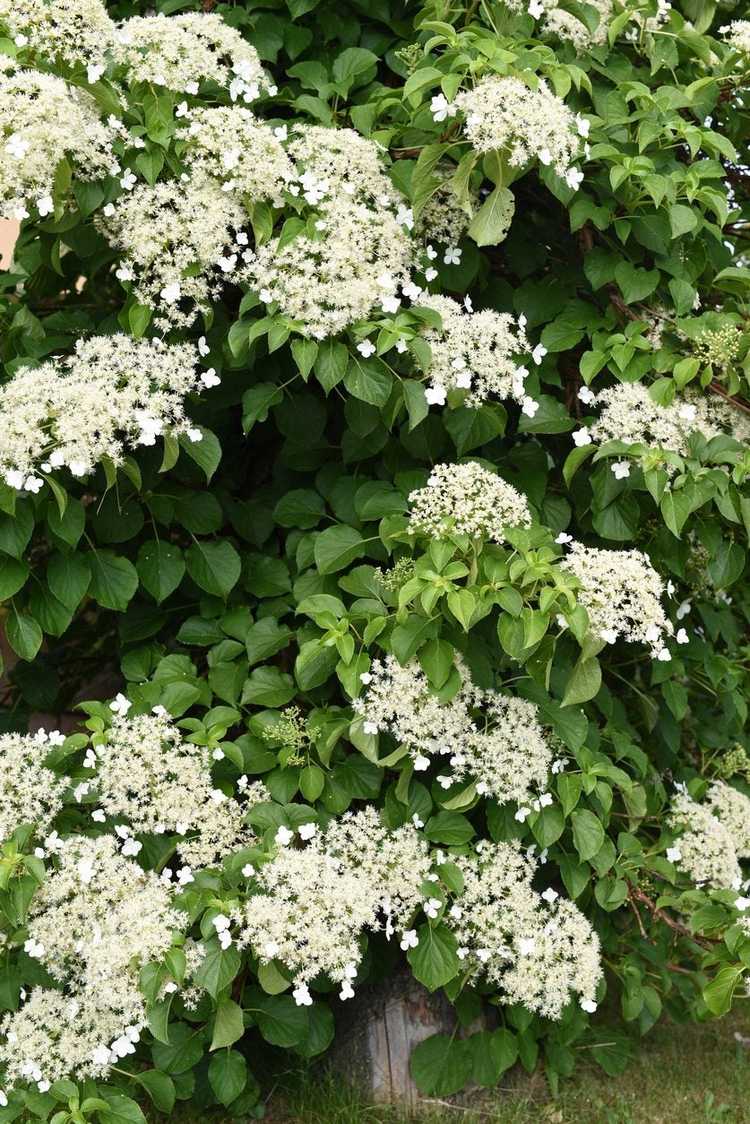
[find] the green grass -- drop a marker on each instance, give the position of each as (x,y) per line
(684,1075)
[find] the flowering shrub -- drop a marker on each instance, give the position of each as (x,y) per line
(374,454)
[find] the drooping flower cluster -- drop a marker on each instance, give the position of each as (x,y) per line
(233,146)
(537,949)
(183,51)
(113,393)
(315,903)
(177,264)
(621,592)
(94,922)
(467,499)
(504,114)
(43,121)
(148,776)
(73,31)
(705,848)
(30,793)
(494,738)
(475,351)
(324,279)
(737,35)
(630,414)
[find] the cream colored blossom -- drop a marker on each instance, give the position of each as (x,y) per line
(73,31)
(30,793)
(182,51)
(232,145)
(112,394)
(630,414)
(476,351)
(504,114)
(178,264)
(43,121)
(537,952)
(348,164)
(732,808)
(706,845)
(737,35)
(493,738)
(149,777)
(621,592)
(326,280)
(315,903)
(467,499)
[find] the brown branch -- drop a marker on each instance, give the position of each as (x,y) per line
(658,914)
(716,389)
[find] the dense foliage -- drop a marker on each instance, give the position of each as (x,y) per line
(374,448)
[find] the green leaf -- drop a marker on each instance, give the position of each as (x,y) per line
(450,828)
(718,994)
(68,577)
(183,1052)
(588,833)
(492,1053)
(491,223)
(229,1024)
(434,961)
(635,284)
(218,968)
(214,566)
(227,1076)
(161,568)
(24,634)
(336,547)
(257,401)
(441,1065)
(114,580)
(369,380)
(206,453)
(13,575)
(160,1088)
(584,682)
(279,1019)
(120,1109)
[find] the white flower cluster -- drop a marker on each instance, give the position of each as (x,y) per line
(176,263)
(630,414)
(30,793)
(566,26)
(43,121)
(443,219)
(494,738)
(315,903)
(183,51)
(95,921)
(74,31)
(706,848)
(535,948)
(230,144)
(158,783)
(503,113)
(621,592)
(737,35)
(113,393)
(732,807)
(476,351)
(467,499)
(354,259)
(340,162)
